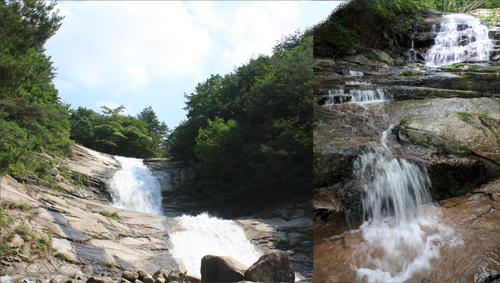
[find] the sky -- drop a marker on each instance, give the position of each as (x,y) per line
(150,53)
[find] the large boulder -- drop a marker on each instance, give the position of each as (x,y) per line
(359,59)
(221,269)
(383,57)
(275,266)
(323,64)
(467,146)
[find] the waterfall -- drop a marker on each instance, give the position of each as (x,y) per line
(401,232)
(356,95)
(351,73)
(202,235)
(461,37)
(134,187)
(394,187)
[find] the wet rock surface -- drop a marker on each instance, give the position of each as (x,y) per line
(472,253)
(444,120)
(88,243)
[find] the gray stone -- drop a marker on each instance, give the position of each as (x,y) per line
(130,276)
(359,59)
(383,57)
(161,273)
(221,269)
(275,266)
(99,280)
(148,279)
(178,273)
(142,274)
(323,64)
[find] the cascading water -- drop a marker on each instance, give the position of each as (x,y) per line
(395,188)
(133,187)
(402,234)
(351,73)
(357,95)
(202,235)
(461,37)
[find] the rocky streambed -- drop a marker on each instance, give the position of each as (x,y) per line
(444,120)
(75,232)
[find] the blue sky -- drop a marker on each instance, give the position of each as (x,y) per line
(150,53)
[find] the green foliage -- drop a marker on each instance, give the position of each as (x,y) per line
(114,133)
(362,22)
(106,213)
(32,117)
(22,207)
(407,73)
(249,133)
(62,256)
(80,179)
(60,189)
(5,221)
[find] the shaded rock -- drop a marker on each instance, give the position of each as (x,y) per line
(468,142)
(137,281)
(221,269)
(359,59)
(130,276)
(123,280)
(161,273)
(383,57)
(330,167)
(178,273)
(160,280)
(53,280)
(192,278)
(275,266)
(323,64)
(148,279)
(99,280)
(142,274)
(336,209)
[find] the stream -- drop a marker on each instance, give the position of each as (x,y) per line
(134,187)
(390,178)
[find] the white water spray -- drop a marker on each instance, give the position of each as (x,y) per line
(395,187)
(357,95)
(202,235)
(133,187)
(402,233)
(351,73)
(461,37)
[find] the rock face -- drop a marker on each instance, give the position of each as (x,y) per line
(170,174)
(275,266)
(91,242)
(221,269)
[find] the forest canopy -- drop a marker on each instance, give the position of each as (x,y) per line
(32,117)
(249,133)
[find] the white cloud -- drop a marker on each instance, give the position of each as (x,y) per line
(256,28)
(124,45)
